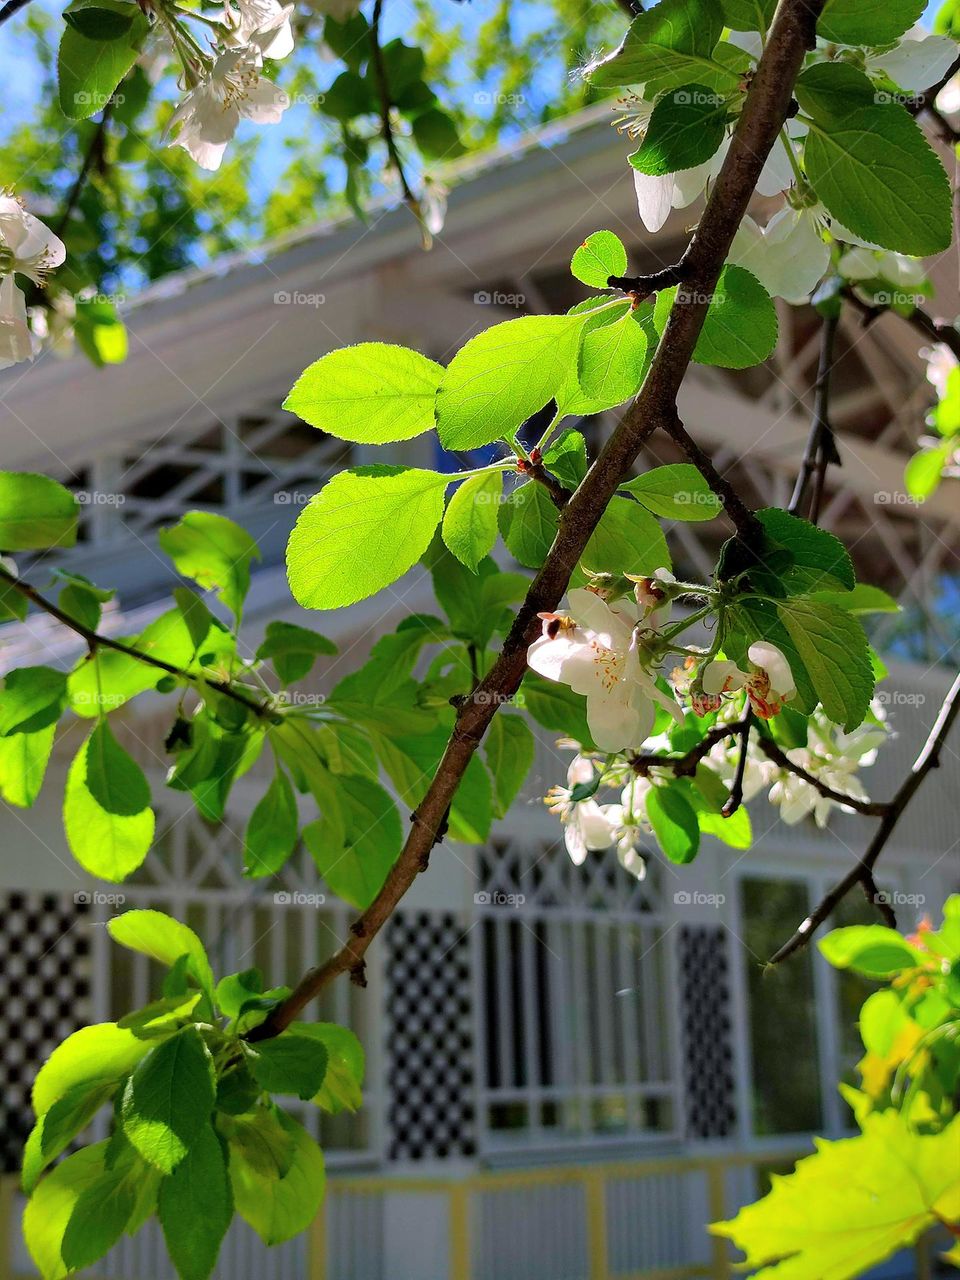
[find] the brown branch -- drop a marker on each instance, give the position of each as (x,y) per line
(386,102)
(686,765)
(821,447)
(735,799)
(95,640)
(12,7)
(744,520)
(862,874)
(764,111)
(559,494)
(922,321)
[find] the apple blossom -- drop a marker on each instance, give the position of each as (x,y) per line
(586,828)
(262,24)
(769,683)
(27,248)
(833,757)
(228,92)
(597,652)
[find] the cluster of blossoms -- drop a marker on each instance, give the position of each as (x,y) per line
(27,248)
(609,650)
(225,83)
(791,253)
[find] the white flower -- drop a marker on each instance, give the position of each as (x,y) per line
(941,362)
(769,683)
(656,196)
(28,248)
(597,652)
(788,256)
(231,91)
(586,827)
(948,99)
(724,758)
(917,62)
(264,24)
(16,341)
(865,264)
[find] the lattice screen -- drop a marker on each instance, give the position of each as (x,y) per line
(431,1072)
(707,1031)
(45,946)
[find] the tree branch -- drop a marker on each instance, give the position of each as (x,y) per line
(386,125)
(686,765)
(95,640)
(862,873)
(92,156)
(764,111)
(821,447)
(922,321)
(773,751)
(10,8)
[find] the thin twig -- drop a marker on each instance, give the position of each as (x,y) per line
(92,156)
(921,320)
(744,520)
(10,8)
(686,765)
(862,873)
(764,110)
(735,799)
(821,448)
(386,103)
(773,751)
(95,640)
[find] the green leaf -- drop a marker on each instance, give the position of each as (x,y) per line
(196,616)
(556,707)
(95,1056)
(862,599)
(107,843)
(675,492)
(674,823)
(215,552)
(853,1204)
(529,521)
(279,1208)
(35,512)
(740,328)
(163,939)
(509,749)
(600,256)
(168,1100)
(869,949)
(470,520)
(435,133)
(195,1207)
(830,90)
(674,36)
(114,779)
(50,1207)
(748,15)
(411,763)
(272,829)
(567,458)
(877,174)
(356,867)
(341,1088)
(259,1138)
(363,530)
(371,393)
(100,1216)
(820,560)
(32,699)
(289,1063)
(628,539)
(834,650)
(924,471)
(100,19)
(293,650)
(89,71)
(735,831)
(60,1124)
(503,376)
(870,22)
(751,620)
(612,361)
(122,677)
(685,129)
(23,764)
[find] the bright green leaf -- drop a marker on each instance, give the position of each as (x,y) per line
(834,650)
(32,698)
(601,255)
(279,1208)
(195,1206)
(163,939)
(870,22)
(289,1063)
(470,520)
(675,492)
(612,360)
(685,129)
(341,1088)
(869,949)
(356,867)
(674,823)
(215,552)
(628,539)
(362,531)
(107,843)
(508,747)
(272,829)
(740,328)
(529,521)
(168,1100)
(293,649)
(35,512)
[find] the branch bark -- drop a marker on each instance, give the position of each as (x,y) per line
(764,111)
(862,873)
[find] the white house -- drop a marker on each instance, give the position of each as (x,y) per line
(561,1089)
